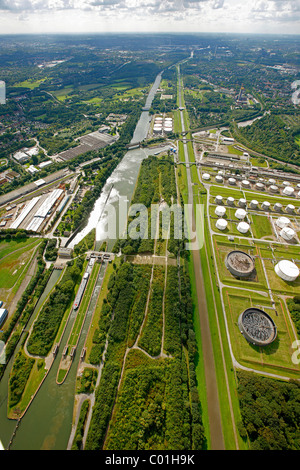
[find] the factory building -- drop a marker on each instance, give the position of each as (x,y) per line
(25,212)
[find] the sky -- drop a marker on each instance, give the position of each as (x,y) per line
(102,16)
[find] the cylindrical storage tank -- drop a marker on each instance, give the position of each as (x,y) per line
(221,224)
(288,191)
(243,227)
(290,208)
(219,200)
(242,202)
(230,201)
(219,179)
(206,176)
(286,183)
(260,186)
(277,207)
(232,181)
(273,188)
(287,233)
(298,194)
(271,181)
(266,206)
(220,211)
(282,222)
(298,186)
(287,270)
(246,184)
(221,172)
(240,214)
(254,204)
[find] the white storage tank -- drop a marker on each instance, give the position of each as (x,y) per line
(287,270)
(219,179)
(287,233)
(286,183)
(282,222)
(254,204)
(240,214)
(242,202)
(246,184)
(221,224)
(266,206)
(232,181)
(290,208)
(206,176)
(273,188)
(271,181)
(220,211)
(277,207)
(230,201)
(219,200)
(288,191)
(243,227)
(260,186)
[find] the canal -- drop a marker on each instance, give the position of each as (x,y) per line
(47,423)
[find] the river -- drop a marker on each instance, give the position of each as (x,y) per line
(47,423)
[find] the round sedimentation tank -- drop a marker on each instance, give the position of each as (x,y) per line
(239,263)
(240,214)
(282,222)
(254,204)
(287,233)
(221,224)
(242,202)
(290,208)
(243,227)
(287,270)
(257,327)
(230,201)
(277,207)
(273,188)
(220,211)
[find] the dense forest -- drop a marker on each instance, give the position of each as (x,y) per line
(270,412)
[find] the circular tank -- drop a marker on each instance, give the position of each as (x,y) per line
(287,270)
(219,200)
(240,214)
(254,204)
(230,201)
(273,188)
(266,206)
(257,326)
(282,222)
(219,179)
(287,233)
(290,208)
(246,184)
(232,181)
(220,211)
(240,264)
(260,186)
(221,224)
(242,202)
(206,176)
(288,191)
(243,227)
(277,207)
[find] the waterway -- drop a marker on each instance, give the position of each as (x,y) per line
(48,421)
(120,184)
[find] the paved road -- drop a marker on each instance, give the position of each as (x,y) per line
(214,415)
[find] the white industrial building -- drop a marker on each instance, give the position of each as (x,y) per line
(25,212)
(287,270)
